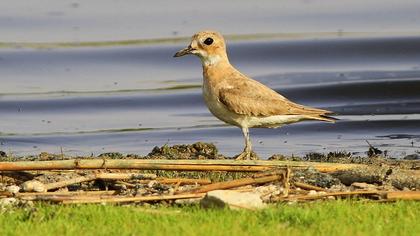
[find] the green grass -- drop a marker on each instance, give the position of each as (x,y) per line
(320,218)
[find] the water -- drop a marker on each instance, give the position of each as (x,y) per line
(130,98)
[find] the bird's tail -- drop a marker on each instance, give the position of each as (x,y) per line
(312,113)
(324,117)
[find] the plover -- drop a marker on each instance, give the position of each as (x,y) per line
(239,100)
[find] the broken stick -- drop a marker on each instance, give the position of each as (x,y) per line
(177,165)
(334,194)
(36,186)
(92,199)
(403,195)
(308,186)
(237,183)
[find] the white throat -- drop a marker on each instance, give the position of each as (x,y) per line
(209,60)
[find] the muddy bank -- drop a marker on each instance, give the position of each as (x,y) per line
(380,169)
(376,173)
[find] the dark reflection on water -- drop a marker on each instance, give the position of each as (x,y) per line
(129,99)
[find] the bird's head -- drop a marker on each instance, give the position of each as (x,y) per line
(208,45)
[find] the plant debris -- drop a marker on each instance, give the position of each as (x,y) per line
(184,174)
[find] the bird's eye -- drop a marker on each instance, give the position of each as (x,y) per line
(208,41)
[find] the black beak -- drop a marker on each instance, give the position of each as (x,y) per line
(184,51)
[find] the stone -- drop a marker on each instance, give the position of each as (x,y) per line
(412,157)
(33,186)
(268,191)
(3,154)
(232,199)
(312,193)
(13,189)
(171,191)
(152,183)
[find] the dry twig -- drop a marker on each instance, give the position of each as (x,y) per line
(180,165)
(308,186)
(96,199)
(237,183)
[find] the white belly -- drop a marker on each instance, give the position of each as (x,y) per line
(219,110)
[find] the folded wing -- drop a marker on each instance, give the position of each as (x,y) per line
(251,98)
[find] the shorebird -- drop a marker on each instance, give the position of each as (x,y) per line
(239,100)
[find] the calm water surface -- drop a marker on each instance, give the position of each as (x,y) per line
(131,98)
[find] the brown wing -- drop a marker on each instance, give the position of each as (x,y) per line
(249,97)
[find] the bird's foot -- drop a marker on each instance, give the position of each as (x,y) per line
(247,155)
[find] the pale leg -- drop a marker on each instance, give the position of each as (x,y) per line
(247,154)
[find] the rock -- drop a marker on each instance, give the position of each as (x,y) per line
(3,154)
(232,199)
(120,187)
(33,186)
(171,191)
(312,193)
(152,183)
(412,157)
(13,189)
(268,191)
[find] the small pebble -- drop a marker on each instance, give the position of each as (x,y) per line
(312,193)
(152,183)
(33,186)
(171,191)
(13,189)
